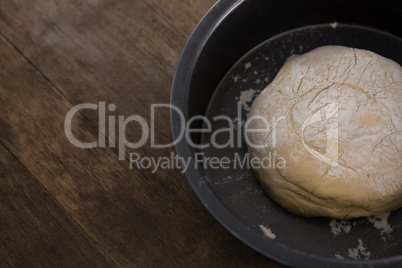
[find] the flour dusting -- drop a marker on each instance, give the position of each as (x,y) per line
(339,256)
(236,78)
(380,222)
(292,57)
(238,122)
(333,25)
(359,252)
(246,98)
(267,232)
(338,225)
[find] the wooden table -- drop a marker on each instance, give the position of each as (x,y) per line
(64,206)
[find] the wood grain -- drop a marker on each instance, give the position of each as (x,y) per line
(35,229)
(55,55)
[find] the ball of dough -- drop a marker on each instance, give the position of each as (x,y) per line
(334,116)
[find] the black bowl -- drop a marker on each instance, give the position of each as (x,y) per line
(235,33)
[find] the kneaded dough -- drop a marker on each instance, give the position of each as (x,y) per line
(334,116)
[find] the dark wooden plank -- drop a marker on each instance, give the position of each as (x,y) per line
(99,59)
(112,51)
(183,15)
(126,215)
(132,82)
(120,52)
(100,193)
(35,230)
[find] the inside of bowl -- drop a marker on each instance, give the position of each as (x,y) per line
(236,185)
(231,66)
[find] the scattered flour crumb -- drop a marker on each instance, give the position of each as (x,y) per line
(380,222)
(333,25)
(338,225)
(339,256)
(247,65)
(292,51)
(292,57)
(236,78)
(238,122)
(359,252)
(267,232)
(246,97)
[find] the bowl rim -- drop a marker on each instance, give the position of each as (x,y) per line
(179,96)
